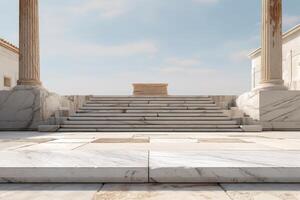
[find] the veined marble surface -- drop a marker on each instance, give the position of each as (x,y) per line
(276,110)
(280,106)
(27,107)
(225,166)
(74,166)
(229,157)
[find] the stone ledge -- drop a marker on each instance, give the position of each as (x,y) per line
(144,166)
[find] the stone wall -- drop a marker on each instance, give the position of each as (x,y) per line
(9,67)
(26,107)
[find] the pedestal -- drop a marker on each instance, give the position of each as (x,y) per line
(150,89)
(27,107)
(275,110)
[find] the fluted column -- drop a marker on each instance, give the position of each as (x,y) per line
(271,57)
(29,60)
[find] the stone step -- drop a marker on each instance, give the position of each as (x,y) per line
(150,114)
(150,99)
(85,114)
(211,107)
(147,96)
(148,105)
(149,130)
(127,166)
(150,122)
(150,111)
(145,126)
(149,102)
(149,118)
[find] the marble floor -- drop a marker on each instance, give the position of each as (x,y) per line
(272,157)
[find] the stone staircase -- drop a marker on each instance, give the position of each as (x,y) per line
(150,114)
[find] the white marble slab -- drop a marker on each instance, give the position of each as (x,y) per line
(14,145)
(74,166)
(263,191)
(48,191)
(52,147)
(225,166)
(161,192)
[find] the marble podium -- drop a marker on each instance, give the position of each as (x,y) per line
(275,110)
(28,107)
(150,89)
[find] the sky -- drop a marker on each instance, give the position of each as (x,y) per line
(199,47)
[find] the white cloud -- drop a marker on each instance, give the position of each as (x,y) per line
(88,50)
(183,66)
(188,81)
(55,41)
(105,8)
(183,62)
(206,1)
(239,56)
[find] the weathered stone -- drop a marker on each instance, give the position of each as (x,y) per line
(155,89)
(252,128)
(27,107)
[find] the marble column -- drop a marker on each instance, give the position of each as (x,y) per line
(271,57)
(29,60)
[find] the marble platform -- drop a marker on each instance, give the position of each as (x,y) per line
(73,166)
(141,167)
(28,157)
(224,166)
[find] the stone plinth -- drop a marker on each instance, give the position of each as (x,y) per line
(27,107)
(150,89)
(275,110)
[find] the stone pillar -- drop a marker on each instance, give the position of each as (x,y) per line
(29,60)
(271,57)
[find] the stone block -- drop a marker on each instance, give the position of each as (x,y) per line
(74,166)
(152,89)
(27,107)
(252,128)
(224,166)
(272,108)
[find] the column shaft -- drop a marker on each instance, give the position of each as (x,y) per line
(271,57)
(29,59)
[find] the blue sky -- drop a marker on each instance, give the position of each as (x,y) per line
(103,46)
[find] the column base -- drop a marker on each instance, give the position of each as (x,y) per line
(275,109)
(271,86)
(29,82)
